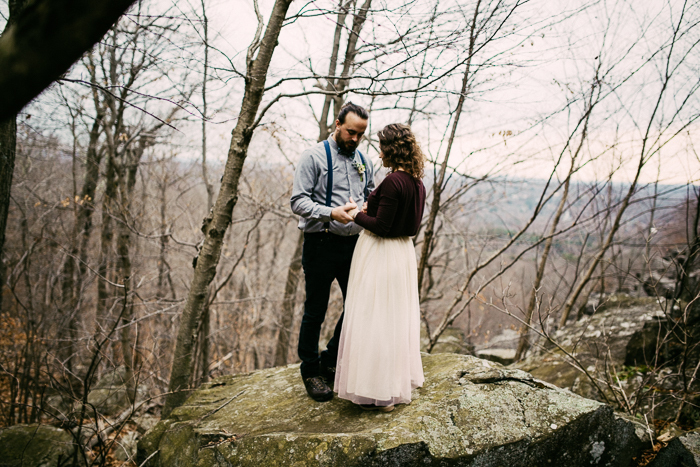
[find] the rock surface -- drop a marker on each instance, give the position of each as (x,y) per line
(470,412)
(683,451)
(36,446)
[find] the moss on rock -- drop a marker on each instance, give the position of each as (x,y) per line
(37,446)
(469,412)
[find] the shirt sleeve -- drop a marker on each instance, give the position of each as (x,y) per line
(305,178)
(386,211)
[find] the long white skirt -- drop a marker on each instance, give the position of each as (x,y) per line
(379,354)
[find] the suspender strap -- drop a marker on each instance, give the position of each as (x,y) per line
(362,158)
(329,183)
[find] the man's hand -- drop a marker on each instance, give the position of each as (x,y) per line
(340,213)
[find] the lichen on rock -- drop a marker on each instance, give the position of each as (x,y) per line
(469,412)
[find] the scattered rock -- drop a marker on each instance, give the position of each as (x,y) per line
(37,446)
(642,346)
(126,447)
(452,340)
(470,412)
(508,339)
(502,356)
(145,422)
(110,394)
(683,451)
(598,303)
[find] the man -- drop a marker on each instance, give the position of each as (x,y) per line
(329,235)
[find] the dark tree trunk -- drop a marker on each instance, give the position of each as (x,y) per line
(290,292)
(8,144)
(106,241)
(46,38)
(8,147)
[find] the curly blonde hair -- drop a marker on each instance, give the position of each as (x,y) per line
(401,150)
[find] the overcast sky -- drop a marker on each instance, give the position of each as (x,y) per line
(512,123)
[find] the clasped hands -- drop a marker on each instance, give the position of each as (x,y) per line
(347,213)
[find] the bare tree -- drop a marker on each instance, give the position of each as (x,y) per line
(216,224)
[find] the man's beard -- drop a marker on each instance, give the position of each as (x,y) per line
(343,145)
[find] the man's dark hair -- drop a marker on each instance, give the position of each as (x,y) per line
(354,108)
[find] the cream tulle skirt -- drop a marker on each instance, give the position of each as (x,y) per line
(379,353)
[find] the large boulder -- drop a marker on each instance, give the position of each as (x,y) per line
(470,412)
(37,446)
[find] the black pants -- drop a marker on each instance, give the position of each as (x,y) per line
(326,257)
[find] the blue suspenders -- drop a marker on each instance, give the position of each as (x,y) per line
(329,182)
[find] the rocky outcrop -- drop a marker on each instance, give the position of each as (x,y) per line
(470,412)
(37,446)
(683,451)
(620,334)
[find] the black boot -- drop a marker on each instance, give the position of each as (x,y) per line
(317,389)
(328,375)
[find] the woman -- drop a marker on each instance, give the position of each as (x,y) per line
(379,359)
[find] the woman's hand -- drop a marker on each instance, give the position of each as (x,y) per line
(364,208)
(354,210)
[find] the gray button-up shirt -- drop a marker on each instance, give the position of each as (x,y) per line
(310,181)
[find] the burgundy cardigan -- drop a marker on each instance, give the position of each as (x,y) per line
(395,207)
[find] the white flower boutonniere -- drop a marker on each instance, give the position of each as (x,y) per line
(360,169)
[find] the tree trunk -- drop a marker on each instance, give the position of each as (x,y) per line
(290,292)
(44,41)
(324,127)
(523,343)
(204,331)
(106,240)
(127,172)
(86,202)
(350,53)
(215,226)
(8,148)
(205,174)
(8,145)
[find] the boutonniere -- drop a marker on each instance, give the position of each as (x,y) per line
(360,169)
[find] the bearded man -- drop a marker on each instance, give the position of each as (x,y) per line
(331,179)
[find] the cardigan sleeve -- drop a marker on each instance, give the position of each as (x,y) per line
(388,204)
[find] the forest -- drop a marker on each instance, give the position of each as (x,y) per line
(148,150)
